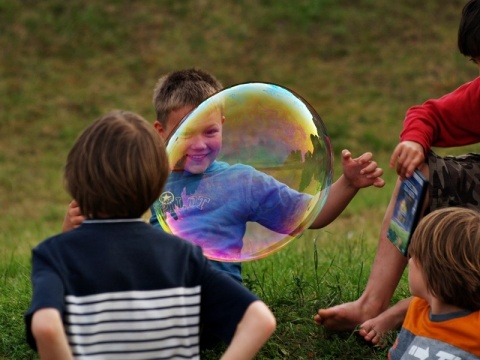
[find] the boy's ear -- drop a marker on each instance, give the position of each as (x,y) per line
(223,119)
(158,126)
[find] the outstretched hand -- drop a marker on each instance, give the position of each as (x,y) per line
(361,172)
(408,155)
(357,173)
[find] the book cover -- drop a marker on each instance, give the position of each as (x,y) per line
(407,210)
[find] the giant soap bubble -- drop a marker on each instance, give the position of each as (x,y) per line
(251,168)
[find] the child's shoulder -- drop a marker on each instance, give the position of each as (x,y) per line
(226,168)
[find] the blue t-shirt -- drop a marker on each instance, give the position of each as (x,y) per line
(212,209)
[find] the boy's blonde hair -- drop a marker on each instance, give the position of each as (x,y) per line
(182,88)
(446,247)
(117,167)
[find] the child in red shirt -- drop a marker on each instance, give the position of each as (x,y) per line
(452,120)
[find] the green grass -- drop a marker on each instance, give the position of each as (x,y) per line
(360,64)
(318,270)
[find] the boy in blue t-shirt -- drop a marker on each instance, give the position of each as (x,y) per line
(178,93)
(210,202)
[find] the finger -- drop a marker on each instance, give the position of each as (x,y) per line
(365,158)
(74,212)
(376,173)
(401,170)
(409,170)
(394,158)
(415,163)
(369,167)
(346,155)
(376,176)
(379,182)
(77,220)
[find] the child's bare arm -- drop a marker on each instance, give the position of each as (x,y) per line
(358,173)
(73,217)
(47,328)
(253,331)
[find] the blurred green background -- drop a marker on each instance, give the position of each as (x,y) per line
(361,64)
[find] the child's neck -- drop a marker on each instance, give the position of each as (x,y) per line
(438,307)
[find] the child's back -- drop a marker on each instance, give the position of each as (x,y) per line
(131,288)
(117,288)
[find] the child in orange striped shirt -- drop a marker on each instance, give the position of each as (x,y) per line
(443,318)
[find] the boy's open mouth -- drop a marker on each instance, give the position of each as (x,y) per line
(197,157)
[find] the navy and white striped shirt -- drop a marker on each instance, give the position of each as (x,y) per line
(128,291)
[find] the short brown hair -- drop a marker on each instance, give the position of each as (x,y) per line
(117,167)
(181,88)
(446,247)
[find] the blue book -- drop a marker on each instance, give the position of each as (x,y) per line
(407,210)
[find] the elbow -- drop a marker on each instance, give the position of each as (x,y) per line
(46,325)
(44,332)
(270,324)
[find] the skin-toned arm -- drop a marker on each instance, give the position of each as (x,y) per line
(73,217)
(358,173)
(253,331)
(47,328)
(407,156)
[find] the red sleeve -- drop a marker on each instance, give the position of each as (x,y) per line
(452,120)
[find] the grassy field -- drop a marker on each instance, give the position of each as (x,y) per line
(360,64)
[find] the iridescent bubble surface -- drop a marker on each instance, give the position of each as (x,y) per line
(251,168)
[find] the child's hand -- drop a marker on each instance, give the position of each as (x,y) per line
(73,218)
(362,171)
(408,155)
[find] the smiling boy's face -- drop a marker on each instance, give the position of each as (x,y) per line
(202,141)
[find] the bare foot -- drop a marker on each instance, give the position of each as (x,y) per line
(375,329)
(371,335)
(345,317)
